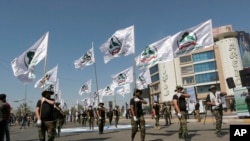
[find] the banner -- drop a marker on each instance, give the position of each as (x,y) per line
(24,65)
(197,37)
(86,87)
(144,79)
(87,59)
(158,52)
(121,43)
(123,77)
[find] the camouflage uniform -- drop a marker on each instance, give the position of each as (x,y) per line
(101,119)
(156,108)
(48,126)
(91,118)
(116,116)
(59,116)
(166,113)
(140,120)
(183,130)
(218,117)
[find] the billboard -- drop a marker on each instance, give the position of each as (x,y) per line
(240,95)
(244,46)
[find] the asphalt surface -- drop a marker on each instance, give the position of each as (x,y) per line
(199,131)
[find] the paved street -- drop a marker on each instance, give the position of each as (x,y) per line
(74,132)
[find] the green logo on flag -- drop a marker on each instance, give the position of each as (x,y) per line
(188,39)
(114,46)
(122,78)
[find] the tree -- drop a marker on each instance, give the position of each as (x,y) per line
(22,109)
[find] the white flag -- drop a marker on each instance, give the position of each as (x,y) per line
(86,102)
(123,77)
(144,79)
(109,90)
(24,65)
(49,78)
(157,52)
(197,37)
(87,59)
(121,43)
(125,89)
(86,87)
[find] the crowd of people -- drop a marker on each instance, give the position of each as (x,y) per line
(49,118)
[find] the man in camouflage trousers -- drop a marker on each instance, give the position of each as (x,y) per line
(59,117)
(166,112)
(116,115)
(101,117)
(214,99)
(137,114)
(179,102)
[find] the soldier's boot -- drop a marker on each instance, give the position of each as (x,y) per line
(186,136)
(180,135)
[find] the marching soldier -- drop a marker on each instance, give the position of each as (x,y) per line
(116,115)
(91,118)
(214,100)
(166,113)
(179,102)
(59,117)
(101,117)
(156,113)
(137,114)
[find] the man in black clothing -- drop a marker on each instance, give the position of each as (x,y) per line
(59,117)
(156,113)
(137,114)
(179,102)
(197,111)
(101,117)
(44,115)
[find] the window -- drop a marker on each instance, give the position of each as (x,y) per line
(154,69)
(154,88)
(203,56)
(206,77)
(185,59)
(187,69)
(155,78)
(188,80)
(204,89)
(204,66)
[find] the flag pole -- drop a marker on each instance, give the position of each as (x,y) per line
(45,64)
(96,77)
(134,65)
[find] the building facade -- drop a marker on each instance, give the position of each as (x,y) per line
(201,69)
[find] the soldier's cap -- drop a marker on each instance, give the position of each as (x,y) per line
(137,90)
(179,87)
(44,93)
(101,103)
(2,96)
(212,87)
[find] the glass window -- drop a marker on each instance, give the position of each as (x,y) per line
(206,77)
(203,56)
(154,88)
(185,59)
(204,66)
(188,80)
(154,69)
(155,78)
(204,89)
(187,69)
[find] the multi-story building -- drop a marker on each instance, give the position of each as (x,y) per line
(201,69)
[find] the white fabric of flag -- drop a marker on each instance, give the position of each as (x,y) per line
(100,93)
(23,66)
(86,87)
(87,59)
(143,80)
(121,43)
(124,77)
(157,52)
(125,89)
(194,38)
(108,90)
(49,78)
(86,102)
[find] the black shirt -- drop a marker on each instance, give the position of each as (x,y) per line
(46,110)
(197,106)
(181,102)
(157,109)
(137,107)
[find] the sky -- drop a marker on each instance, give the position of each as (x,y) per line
(74,25)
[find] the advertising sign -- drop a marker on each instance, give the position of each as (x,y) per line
(240,95)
